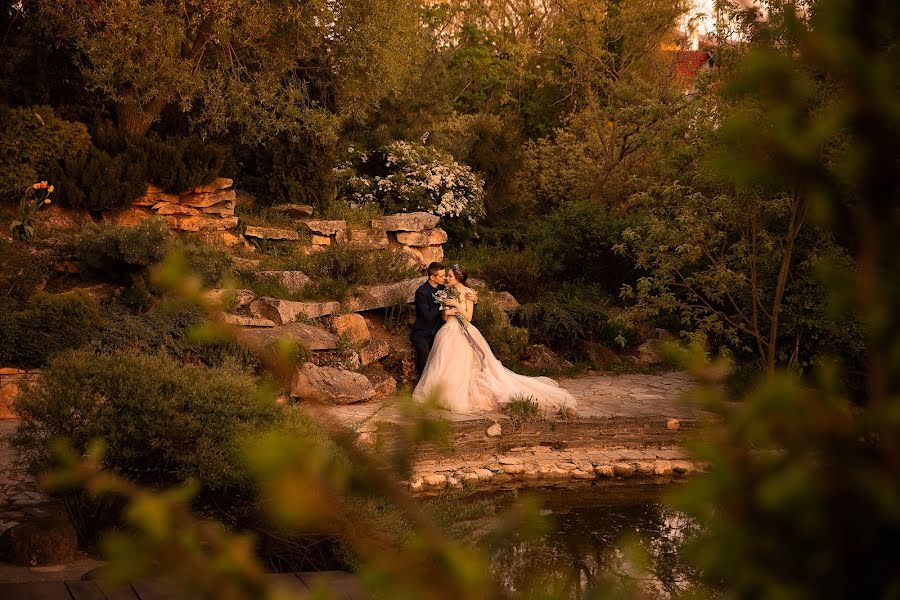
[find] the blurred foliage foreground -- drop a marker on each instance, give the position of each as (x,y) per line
(803,498)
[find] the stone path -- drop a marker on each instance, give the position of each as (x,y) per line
(598,396)
(19,492)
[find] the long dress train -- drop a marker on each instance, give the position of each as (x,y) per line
(463,373)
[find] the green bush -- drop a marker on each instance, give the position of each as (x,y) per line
(300,172)
(22,270)
(565,318)
(162,421)
(114,172)
(171,330)
(515,271)
(619,333)
(31,141)
(575,244)
(99,181)
(119,252)
(180,164)
(209,264)
(48,324)
(340,267)
(9,331)
(507,342)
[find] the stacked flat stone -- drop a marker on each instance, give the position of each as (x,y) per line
(414,234)
(325,232)
(206,209)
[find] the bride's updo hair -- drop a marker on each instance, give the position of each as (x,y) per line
(460,273)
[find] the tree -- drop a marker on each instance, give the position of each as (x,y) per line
(263,65)
(722,263)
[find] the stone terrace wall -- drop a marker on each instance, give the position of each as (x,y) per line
(208,209)
(471,438)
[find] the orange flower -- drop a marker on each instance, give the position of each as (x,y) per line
(36,186)
(47,201)
(50,190)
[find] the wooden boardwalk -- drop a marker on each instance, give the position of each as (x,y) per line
(340,585)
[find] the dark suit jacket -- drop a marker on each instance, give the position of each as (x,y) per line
(428,312)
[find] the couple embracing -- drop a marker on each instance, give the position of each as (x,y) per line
(454,361)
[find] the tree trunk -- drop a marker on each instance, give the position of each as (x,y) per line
(798,209)
(137,119)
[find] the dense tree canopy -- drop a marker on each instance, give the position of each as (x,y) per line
(267,66)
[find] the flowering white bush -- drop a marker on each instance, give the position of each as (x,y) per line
(406,177)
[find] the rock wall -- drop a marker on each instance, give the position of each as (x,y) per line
(207,209)
(416,235)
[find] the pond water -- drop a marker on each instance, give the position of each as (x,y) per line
(581,548)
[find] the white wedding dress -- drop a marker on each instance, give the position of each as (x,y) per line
(464,375)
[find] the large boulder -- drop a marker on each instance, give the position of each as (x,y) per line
(382,382)
(261,339)
(542,357)
(387,294)
(288,311)
(169,208)
(222,239)
(506,301)
(353,326)
(244,321)
(600,356)
(331,385)
(271,233)
(415,221)
(429,237)
(374,350)
(40,541)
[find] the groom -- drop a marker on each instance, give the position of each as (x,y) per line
(428,314)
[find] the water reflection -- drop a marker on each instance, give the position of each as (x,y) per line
(582,548)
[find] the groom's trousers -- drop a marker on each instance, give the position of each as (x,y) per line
(422,344)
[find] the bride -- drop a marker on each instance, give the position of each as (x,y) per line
(463,373)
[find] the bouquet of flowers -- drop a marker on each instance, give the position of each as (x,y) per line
(443,297)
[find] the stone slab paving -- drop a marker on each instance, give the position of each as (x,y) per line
(20,495)
(598,396)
